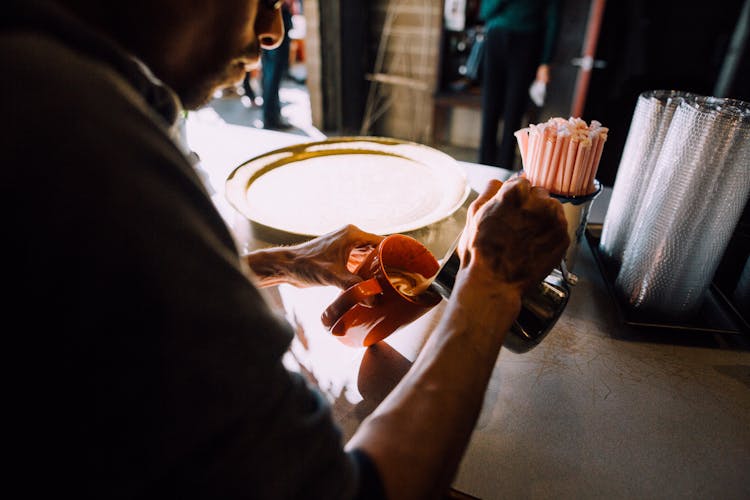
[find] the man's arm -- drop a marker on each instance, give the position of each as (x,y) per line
(418,435)
(326,260)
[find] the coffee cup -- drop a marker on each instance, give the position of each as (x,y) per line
(395,291)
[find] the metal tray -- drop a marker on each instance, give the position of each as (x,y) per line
(717,314)
(381,185)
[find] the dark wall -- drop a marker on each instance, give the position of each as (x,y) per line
(343,34)
(657,44)
(354,28)
(330,65)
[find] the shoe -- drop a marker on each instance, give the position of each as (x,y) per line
(247,102)
(251,103)
(279,124)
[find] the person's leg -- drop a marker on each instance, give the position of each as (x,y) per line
(493,89)
(273,63)
(271,79)
(522,63)
(286,44)
(248,87)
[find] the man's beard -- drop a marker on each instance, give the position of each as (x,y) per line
(198,90)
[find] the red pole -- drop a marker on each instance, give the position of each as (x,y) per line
(587,60)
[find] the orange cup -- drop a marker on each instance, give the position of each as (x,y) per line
(373,309)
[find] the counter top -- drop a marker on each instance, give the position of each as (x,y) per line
(598,410)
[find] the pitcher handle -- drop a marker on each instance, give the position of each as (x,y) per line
(355,294)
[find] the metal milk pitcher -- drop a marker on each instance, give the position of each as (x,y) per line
(541,306)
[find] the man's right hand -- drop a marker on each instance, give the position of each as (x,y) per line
(515,234)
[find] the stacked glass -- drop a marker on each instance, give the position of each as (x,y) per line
(683,182)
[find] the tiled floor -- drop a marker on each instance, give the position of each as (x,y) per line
(236,109)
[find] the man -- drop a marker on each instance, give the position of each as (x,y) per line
(147,362)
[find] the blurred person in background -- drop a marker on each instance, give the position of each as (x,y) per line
(145,360)
(249,99)
(520,37)
(274,67)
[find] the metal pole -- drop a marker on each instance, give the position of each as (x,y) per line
(587,60)
(734,53)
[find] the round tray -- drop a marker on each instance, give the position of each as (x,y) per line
(381,185)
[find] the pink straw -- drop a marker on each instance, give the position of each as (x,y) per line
(522,137)
(579,175)
(562,155)
(598,155)
(570,164)
(549,145)
(555,176)
(586,184)
(534,140)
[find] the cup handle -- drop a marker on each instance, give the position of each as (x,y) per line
(353,295)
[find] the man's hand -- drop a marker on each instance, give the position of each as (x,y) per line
(515,234)
(325,260)
(542,73)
